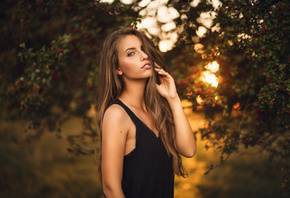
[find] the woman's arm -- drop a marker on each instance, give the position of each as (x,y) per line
(184,138)
(114,133)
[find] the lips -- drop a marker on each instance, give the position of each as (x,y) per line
(146,66)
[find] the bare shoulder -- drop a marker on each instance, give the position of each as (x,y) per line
(116,118)
(115,112)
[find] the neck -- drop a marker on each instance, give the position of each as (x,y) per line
(133,94)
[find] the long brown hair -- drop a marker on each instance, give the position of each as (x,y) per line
(111,86)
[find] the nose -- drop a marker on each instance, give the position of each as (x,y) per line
(143,56)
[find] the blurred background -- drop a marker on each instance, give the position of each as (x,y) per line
(230,61)
(44,168)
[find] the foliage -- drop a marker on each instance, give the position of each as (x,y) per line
(250,106)
(55,47)
(50,53)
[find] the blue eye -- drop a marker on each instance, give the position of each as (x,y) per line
(131,54)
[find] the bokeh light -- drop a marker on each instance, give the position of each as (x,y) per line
(210,78)
(213,66)
(199,100)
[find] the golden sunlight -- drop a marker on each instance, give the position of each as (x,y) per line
(213,66)
(199,100)
(210,78)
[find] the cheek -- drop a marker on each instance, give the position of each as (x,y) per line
(122,65)
(125,64)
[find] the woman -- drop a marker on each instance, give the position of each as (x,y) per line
(143,126)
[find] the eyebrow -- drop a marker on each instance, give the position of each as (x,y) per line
(131,48)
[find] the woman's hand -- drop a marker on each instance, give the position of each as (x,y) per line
(167,88)
(184,138)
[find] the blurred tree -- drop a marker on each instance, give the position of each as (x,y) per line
(50,52)
(49,58)
(250,105)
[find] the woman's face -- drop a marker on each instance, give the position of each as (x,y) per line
(133,62)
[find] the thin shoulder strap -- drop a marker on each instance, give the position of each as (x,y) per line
(129,112)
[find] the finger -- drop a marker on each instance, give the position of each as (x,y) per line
(159,69)
(157,66)
(161,72)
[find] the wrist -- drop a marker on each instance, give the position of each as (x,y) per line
(173,100)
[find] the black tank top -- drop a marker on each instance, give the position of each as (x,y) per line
(147,170)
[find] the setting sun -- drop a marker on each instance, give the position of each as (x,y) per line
(213,66)
(210,78)
(209,75)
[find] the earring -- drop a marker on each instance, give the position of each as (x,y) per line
(120,72)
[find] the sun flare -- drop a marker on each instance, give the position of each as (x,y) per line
(213,66)
(210,78)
